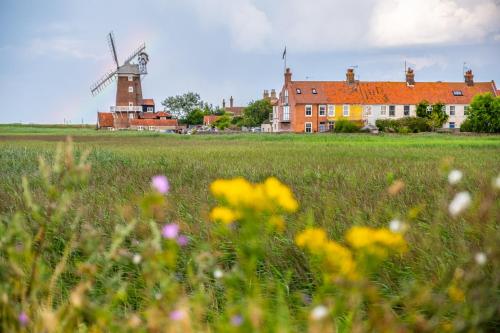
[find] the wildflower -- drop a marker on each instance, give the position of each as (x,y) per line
(136,259)
(170,231)
(278,222)
(339,260)
(23,319)
(182,240)
(236,320)
(319,312)
(312,238)
(218,274)
(378,242)
(480,258)
(459,203)
(223,214)
(454,177)
(160,183)
(396,225)
(280,193)
(456,294)
(177,315)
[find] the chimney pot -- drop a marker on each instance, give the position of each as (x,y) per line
(469,77)
(231,101)
(350,76)
(273,93)
(410,77)
(288,76)
(223,103)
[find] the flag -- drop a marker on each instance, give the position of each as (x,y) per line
(284,54)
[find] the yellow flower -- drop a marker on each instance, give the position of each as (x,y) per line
(278,222)
(456,294)
(378,242)
(276,191)
(312,238)
(236,191)
(223,214)
(339,259)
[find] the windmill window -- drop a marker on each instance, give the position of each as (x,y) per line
(314,91)
(299,91)
(131,89)
(130,78)
(458,93)
(130,104)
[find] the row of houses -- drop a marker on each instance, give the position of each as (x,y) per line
(315,106)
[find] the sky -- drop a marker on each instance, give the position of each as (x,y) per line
(53,50)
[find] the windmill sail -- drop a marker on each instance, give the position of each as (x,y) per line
(103,82)
(140,49)
(112,48)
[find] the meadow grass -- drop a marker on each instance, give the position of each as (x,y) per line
(339,180)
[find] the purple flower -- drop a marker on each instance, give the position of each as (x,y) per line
(170,231)
(161,184)
(23,319)
(177,315)
(236,320)
(182,240)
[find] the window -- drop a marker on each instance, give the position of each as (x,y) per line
(331,125)
(131,115)
(140,128)
(286,97)
(309,110)
(457,93)
(322,110)
(383,110)
(130,78)
(299,91)
(149,109)
(151,128)
(322,127)
(406,110)
(131,89)
(130,104)
(346,111)
(429,109)
(452,124)
(314,91)
(466,110)
(308,128)
(392,110)
(452,110)
(286,113)
(331,110)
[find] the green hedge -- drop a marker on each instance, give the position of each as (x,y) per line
(403,125)
(346,126)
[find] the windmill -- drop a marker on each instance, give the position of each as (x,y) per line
(128,76)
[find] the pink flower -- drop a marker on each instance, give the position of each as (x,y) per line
(170,231)
(177,315)
(160,183)
(182,240)
(23,319)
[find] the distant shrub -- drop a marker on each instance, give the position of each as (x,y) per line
(387,125)
(346,126)
(484,114)
(466,126)
(410,125)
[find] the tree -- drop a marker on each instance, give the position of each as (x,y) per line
(422,109)
(223,122)
(436,116)
(181,105)
(484,114)
(256,113)
(195,117)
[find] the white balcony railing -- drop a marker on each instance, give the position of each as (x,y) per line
(136,108)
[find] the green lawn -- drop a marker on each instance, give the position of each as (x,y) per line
(339,181)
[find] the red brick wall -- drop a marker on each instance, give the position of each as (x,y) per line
(299,117)
(123,97)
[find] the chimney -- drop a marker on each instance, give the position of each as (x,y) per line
(231,100)
(266,94)
(223,103)
(350,76)
(288,76)
(410,77)
(469,77)
(273,94)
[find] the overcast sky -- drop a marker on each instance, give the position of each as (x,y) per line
(52,51)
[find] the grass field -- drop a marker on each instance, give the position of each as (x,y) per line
(339,181)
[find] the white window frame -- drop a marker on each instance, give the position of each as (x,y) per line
(466,109)
(151,128)
(392,115)
(286,96)
(131,115)
(140,128)
(331,110)
(286,112)
(130,78)
(130,103)
(383,110)
(130,89)
(346,107)
(149,109)
(308,106)
(452,109)
(404,110)
(322,106)
(310,126)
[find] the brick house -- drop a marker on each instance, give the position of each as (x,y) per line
(315,106)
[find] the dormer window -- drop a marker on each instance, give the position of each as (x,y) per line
(314,91)
(299,91)
(458,93)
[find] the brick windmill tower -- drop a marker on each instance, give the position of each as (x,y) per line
(128,89)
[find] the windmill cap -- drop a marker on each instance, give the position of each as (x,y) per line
(129,69)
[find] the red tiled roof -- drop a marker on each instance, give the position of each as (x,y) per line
(164,114)
(153,122)
(339,92)
(210,119)
(153,115)
(105,119)
(148,102)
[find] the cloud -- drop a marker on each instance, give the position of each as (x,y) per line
(409,23)
(62,47)
(332,25)
(419,63)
